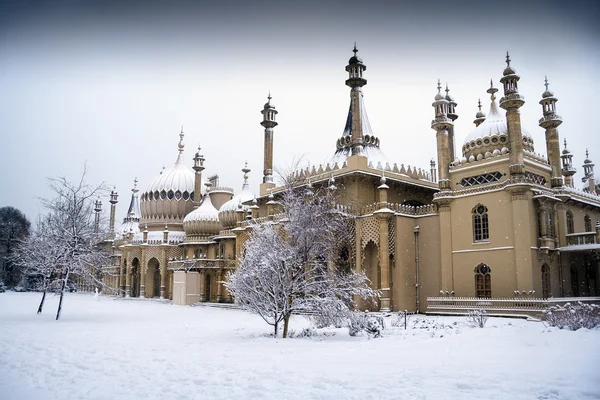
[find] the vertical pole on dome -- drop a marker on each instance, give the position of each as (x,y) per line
(550,122)
(198,168)
(511,102)
(269,123)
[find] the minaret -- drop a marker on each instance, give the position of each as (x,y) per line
(269,112)
(511,102)
(550,122)
(355,81)
(567,166)
(442,124)
(113,206)
(198,167)
(97,210)
(453,116)
(480,116)
(588,172)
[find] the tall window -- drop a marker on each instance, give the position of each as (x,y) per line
(570,227)
(483,282)
(588,223)
(480,223)
(550,224)
(545,281)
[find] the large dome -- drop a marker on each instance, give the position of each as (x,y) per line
(203,221)
(228,210)
(169,197)
(491,136)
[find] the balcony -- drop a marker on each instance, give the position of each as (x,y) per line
(575,239)
(198,263)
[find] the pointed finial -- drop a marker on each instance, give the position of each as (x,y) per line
(492,90)
(507,59)
(546,82)
(355,50)
(269,97)
(565,143)
(447,90)
(180,146)
(439,87)
(479,104)
(587,154)
(245,170)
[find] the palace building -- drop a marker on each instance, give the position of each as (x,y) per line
(493,221)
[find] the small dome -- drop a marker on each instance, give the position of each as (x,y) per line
(547,94)
(204,220)
(229,208)
(439,96)
(509,71)
(480,114)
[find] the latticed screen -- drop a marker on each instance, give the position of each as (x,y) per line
(483,282)
(588,223)
(545,281)
(570,227)
(480,224)
(549,224)
(481,179)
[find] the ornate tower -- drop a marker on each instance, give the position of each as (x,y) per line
(588,172)
(442,123)
(97,210)
(269,112)
(198,167)
(567,166)
(550,122)
(453,116)
(511,102)
(113,205)
(355,81)
(480,116)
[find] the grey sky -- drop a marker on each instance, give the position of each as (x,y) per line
(112,84)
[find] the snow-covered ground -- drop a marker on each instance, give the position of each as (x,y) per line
(136,349)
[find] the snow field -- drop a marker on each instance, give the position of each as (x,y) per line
(110,348)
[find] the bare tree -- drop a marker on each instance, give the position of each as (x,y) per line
(67,241)
(293,266)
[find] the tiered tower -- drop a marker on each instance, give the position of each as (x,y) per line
(269,112)
(550,122)
(567,166)
(442,123)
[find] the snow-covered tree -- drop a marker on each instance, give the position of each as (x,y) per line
(14,228)
(293,265)
(66,241)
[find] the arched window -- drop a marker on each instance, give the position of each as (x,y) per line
(483,281)
(570,226)
(545,281)
(588,223)
(198,253)
(481,230)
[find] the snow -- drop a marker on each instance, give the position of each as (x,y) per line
(136,349)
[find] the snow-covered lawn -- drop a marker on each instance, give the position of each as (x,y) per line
(135,349)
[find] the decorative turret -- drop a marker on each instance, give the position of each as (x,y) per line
(357,138)
(113,206)
(480,116)
(97,210)
(432,170)
(453,116)
(511,102)
(442,123)
(550,122)
(228,211)
(269,112)
(198,167)
(567,166)
(588,172)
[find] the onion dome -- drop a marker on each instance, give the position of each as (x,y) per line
(508,70)
(268,104)
(204,220)
(587,157)
(355,59)
(492,134)
(169,197)
(566,150)
(131,223)
(547,93)
(228,210)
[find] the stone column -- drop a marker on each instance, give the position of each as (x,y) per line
(219,285)
(447,266)
(143,268)
(163,273)
(128,277)
(384,262)
(202,285)
(521,234)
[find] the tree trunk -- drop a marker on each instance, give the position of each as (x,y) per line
(286,323)
(62,292)
(276,326)
(42,302)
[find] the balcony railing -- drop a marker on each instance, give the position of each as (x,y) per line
(574,239)
(201,263)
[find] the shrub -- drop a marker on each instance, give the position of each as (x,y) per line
(477,317)
(360,322)
(573,316)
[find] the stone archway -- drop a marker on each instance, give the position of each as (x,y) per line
(153,278)
(135,277)
(372,270)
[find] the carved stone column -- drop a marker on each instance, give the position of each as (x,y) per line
(143,268)
(128,276)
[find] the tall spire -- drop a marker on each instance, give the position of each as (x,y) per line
(588,172)
(567,166)
(480,116)
(269,123)
(198,168)
(511,102)
(550,122)
(113,205)
(453,116)
(357,131)
(442,123)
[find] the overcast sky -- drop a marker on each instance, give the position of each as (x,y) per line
(111,85)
